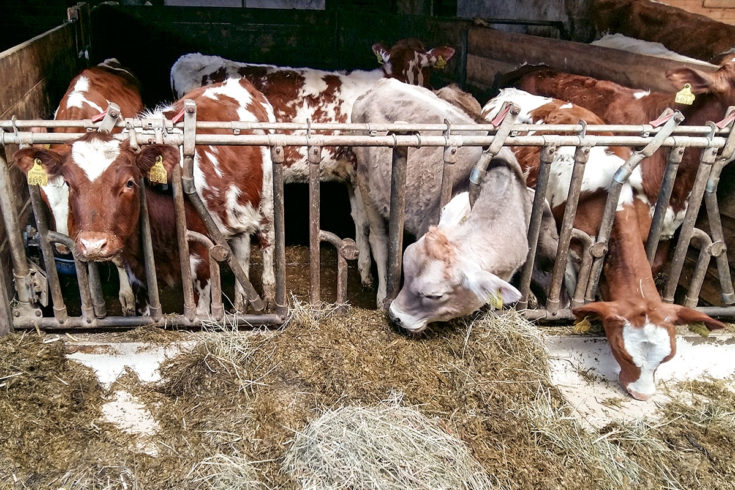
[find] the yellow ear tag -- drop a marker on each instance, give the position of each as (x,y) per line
(685,95)
(380,58)
(440,63)
(582,326)
(158,172)
(37,174)
(699,328)
(495,300)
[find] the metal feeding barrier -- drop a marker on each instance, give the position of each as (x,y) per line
(31,284)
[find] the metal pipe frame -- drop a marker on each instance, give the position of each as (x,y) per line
(95,288)
(215,283)
(662,202)
(279,227)
(395,223)
(585,267)
(154,302)
(700,270)
(183,242)
(346,250)
(315,158)
(85,295)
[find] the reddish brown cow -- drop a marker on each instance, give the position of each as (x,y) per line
(235,183)
(309,94)
(639,326)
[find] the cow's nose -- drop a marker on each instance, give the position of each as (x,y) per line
(640,396)
(93,245)
(395,320)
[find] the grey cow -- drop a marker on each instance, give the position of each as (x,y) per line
(447,272)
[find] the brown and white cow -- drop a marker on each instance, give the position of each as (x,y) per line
(309,94)
(639,326)
(615,104)
(88,95)
(235,183)
(460,265)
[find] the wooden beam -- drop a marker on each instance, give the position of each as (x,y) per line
(632,70)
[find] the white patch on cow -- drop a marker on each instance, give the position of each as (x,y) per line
(527,102)
(640,95)
(57,193)
(625,198)
(94,156)
(568,105)
(78,96)
(233,89)
(203,290)
(213,159)
(672,221)
(647,346)
(242,219)
(455,211)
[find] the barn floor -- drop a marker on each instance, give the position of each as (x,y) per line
(151,408)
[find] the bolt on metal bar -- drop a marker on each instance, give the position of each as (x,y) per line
(315,158)
(662,202)
(705,252)
(52,275)
(613,194)
(277,156)
(687,228)
(183,243)
(215,282)
(110,118)
(581,155)
(396,222)
(95,287)
(346,250)
(154,302)
(85,295)
(534,225)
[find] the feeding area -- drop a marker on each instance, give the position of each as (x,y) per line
(459,259)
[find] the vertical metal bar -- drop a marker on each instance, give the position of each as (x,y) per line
(718,236)
(315,158)
(687,228)
(397,220)
(85,295)
(662,202)
(277,155)
(95,288)
(584,269)
(52,274)
(581,155)
(21,272)
(6,318)
(150,263)
(462,62)
(180,211)
(450,158)
(534,225)
(216,254)
(695,284)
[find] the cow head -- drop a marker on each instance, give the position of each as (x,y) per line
(720,83)
(409,62)
(642,336)
(103,176)
(441,282)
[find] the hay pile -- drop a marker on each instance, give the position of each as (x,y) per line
(242,409)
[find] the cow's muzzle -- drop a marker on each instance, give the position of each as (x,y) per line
(97,246)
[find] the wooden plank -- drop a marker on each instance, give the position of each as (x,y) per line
(481,72)
(632,70)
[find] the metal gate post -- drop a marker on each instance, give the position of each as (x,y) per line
(154,302)
(181,237)
(315,158)
(6,318)
(662,201)
(395,225)
(277,155)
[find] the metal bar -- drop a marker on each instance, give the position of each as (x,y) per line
(315,158)
(110,118)
(719,248)
(182,240)
(346,250)
(215,283)
(6,316)
(705,252)
(85,295)
(450,158)
(534,225)
(277,155)
(396,222)
(462,61)
(687,228)
(49,323)
(95,288)
(585,268)
(52,275)
(581,155)
(662,202)
(154,302)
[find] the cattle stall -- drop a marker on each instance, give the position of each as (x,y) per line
(328,40)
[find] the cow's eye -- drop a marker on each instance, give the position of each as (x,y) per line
(130,184)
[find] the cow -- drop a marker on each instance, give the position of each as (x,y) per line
(88,95)
(671,26)
(234,182)
(475,257)
(648,48)
(639,326)
(616,104)
(308,94)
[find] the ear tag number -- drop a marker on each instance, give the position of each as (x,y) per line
(158,172)
(37,174)
(685,95)
(440,63)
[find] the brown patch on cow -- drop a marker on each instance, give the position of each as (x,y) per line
(438,247)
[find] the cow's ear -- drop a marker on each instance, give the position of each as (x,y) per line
(489,288)
(439,56)
(50,161)
(156,162)
(687,316)
(606,311)
(381,53)
(699,81)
